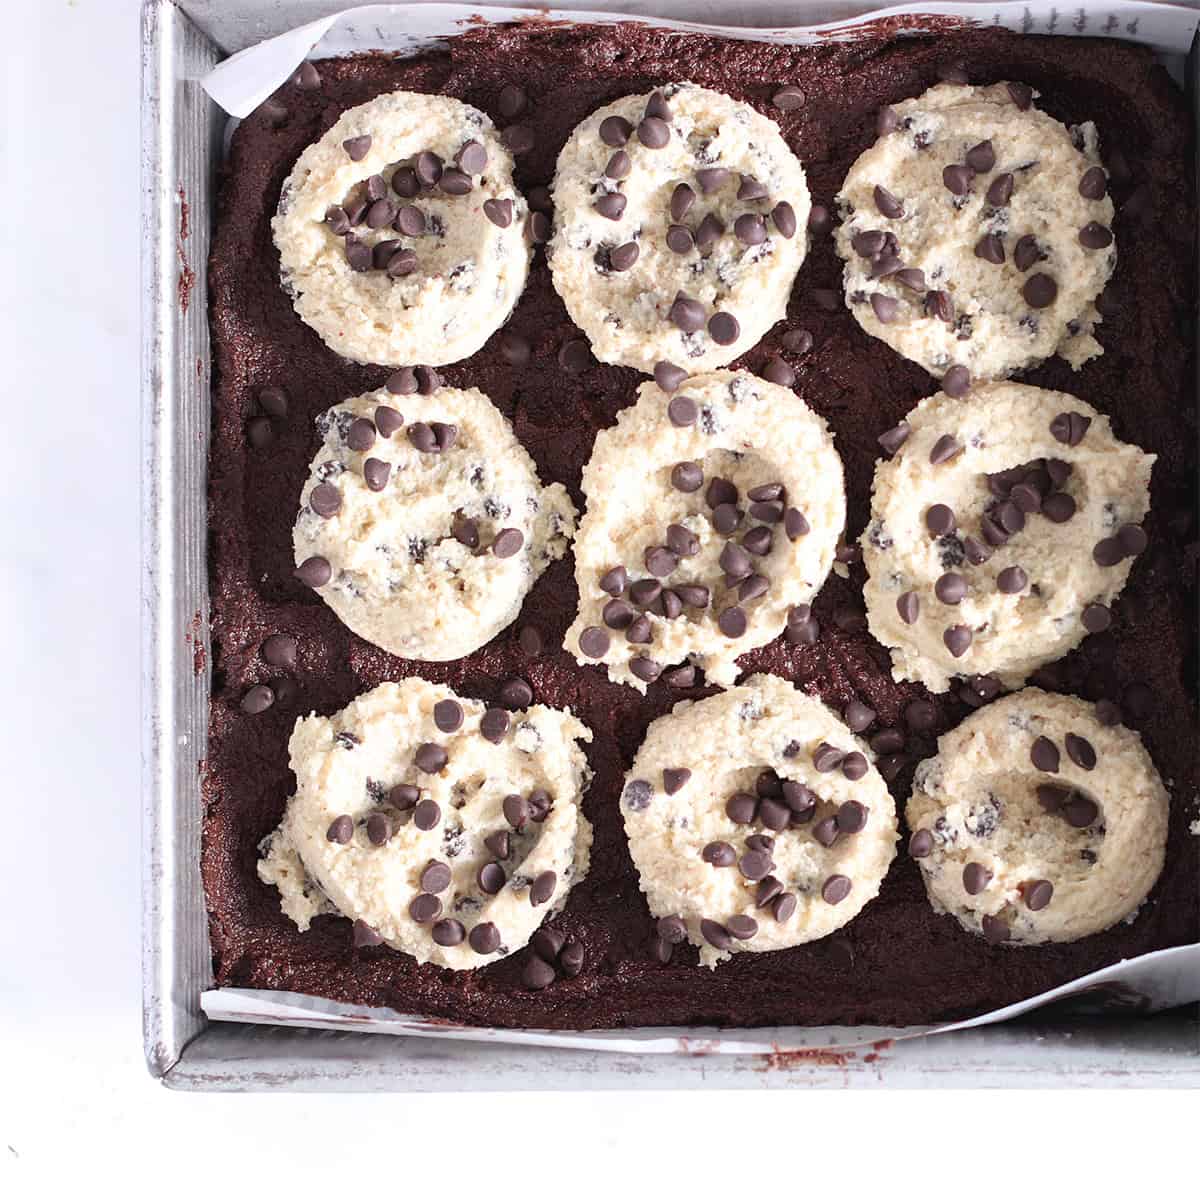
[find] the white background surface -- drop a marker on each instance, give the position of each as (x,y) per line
(76,1105)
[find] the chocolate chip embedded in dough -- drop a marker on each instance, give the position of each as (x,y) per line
(594,642)
(1000,190)
(682,199)
(686,476)
(1094,236)
(542,888)
(436,877)
(615,131)
(670,377)
(686,314)
(357,148)
(958,639)
(956,381)
(802,627)
(424,908)
(611,205)
(827,758)
(448,932)
(448,715)
(940,520)
(944,449)
(723,328)
(888,205)
(1039,291)
(950,588)
(957,178)
(499,212)
(835,889)
(366,935)
(741,927)
(484,938)
(1012,580)
(516,694)
(755,865)
(990,248)
(507,543)
(783,217)
(908,605)
(653,132)
(1044,755)
(1037,894)
(750,229)
(975,877)
(1079,811)
(314,572)
(886,121)
(732,622)
(981,157)
(645,669)
(885,307)
(920,845)
(1107,552)
(711,178)
(341,830)
(1096,618)
(1093,184)
(622,257)
(1080,751)
(1058,507)
(858,716)
(894,438)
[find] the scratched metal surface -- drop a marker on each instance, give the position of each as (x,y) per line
(181,131)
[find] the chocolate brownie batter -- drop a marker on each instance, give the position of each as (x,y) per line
(897,963)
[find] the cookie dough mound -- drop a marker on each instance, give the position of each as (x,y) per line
(977,233)
(680,224)
(756,821)
(423,524)
(1000,533)
(444,833)
(711,511)
(401,236)
(1037,823)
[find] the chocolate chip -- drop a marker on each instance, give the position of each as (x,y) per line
(669,377)
(956,381)
(1058,507)
(594,642)
(851,817)
(622,257)
(447,716)
(783,217)
(1096,618)
(516,694)
(1079,811)
(789,98)
(1044,755)
(507,543)
(465,531)
(750,229)
(940,520)
(491,878)
(826,831)
(858,716)
(518,139)
(758,540)
(1093,184)
(920,845)
(430,758)
(357,148)
(539,227)
(975,877)
(1094,236)
(435,877)
(981,157)
(542,888)
(611,205)
(888,205)
(741,927)
(618,615)
(358,255)
(885,307)
(1021,94)
(855,766)
(957,639)
(615,131)
(448,932)
(1132,539)
(426,814)
(365,935)
(994,928)
(682,542)
(1080,751)
(732,622)
(894,438)
(485,938)
(957,178)
(826,298)
(802,627)
(653,132)
(314,572)
(379,829)
(694,595)
(920,715)
(950,588)
(1026,252)
(1039,291)
(1107,552)
(424,908)
(795,524)
(723,328)
(944,449)
(835,889)
(755,865)
(734,561)
(341,830)
(499,212)
(1000,190)
(827,758)
(682,199)
(574,356)
(1037,893)
(990,248)
(614,581)
(719,854)
(686,314)
(537,974)
(750,188)
(940,305)
(1012,580)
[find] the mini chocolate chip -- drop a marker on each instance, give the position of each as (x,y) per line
(448,932)
(723,328)
(835,889)
(1039,291)
(1012,580)
(542,888)
(357,148)
(314,572)
(1044,754)
(518,139)
(957,639)
(1094,236)
(653,132)
(944,449)
(889,206)
(341,830)
(920,845)
(507,543)
(950,588)
(686,314)
(615,131)
(975,877)
(1037,893)
(990,248)
(1080,751)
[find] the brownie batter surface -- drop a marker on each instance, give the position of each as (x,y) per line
(897,963)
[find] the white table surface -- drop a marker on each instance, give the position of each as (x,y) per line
(76,1105)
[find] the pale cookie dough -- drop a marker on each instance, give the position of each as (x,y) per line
(422,523)
(711,512)
(977,233)
(680,224)
(1000,533)
(446,833)
(756,821)
(1037,823)
(401,236)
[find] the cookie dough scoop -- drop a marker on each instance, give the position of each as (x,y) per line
(1002,530)
(402,238)
(713,512)
(1038,822)
(680,223)
(422,523)
(444,828)
(977,233)
(756,820)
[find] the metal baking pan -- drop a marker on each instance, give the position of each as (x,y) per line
(181,147)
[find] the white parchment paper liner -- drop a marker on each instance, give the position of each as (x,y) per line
(1151,982)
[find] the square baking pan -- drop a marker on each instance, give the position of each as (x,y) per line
(182,137)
